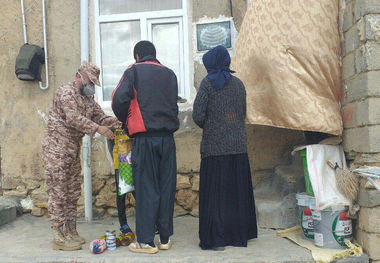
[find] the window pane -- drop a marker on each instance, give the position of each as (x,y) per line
(117,42)
(166,39)
(111,77)
(109,7)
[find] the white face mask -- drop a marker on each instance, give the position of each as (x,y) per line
(88,89)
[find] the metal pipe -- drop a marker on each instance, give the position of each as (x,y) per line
(232,14)
(374,183)
(86,140)
(366,174)
(23,22)
(377,172)
(377,177)
(87,178)
(370,178)
(45,48)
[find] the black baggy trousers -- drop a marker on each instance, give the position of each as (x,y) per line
(155,177)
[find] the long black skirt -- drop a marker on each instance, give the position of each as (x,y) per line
(227,214)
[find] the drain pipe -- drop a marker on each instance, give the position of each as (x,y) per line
(45,48)
(45,41)
(86,140)
(23,21)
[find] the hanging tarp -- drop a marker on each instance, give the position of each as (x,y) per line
(288,56)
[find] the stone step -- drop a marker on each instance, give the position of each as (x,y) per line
(10,207)
(7,214)
(284,181)
(290,179)
(275,196)
(362,259)
(277,213)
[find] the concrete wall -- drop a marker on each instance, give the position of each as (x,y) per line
(361,110)
(24,108)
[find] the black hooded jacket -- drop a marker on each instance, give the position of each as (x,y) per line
(145,100)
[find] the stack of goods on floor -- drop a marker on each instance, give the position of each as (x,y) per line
(323,210)
(328,228)
(110,242)
(98,246)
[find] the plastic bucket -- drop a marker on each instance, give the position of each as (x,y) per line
(332,227)
(305,220)
(309,188)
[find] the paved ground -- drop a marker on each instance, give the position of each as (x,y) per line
(28,239)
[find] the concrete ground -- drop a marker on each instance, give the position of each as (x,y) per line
(28,239)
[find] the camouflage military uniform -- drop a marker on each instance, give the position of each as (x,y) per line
(71,116)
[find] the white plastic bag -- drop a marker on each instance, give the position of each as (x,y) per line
(322,177)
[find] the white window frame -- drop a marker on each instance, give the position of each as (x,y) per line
(146,18)
(150,22)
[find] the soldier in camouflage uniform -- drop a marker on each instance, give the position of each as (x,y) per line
(73,114)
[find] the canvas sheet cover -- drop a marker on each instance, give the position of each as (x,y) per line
(288,56)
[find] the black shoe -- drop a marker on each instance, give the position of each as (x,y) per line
(218,248)
(125,229)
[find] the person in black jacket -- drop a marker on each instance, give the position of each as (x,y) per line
(145,101)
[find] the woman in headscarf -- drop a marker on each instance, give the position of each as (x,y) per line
(226,204)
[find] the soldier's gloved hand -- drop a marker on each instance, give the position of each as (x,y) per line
(106,132)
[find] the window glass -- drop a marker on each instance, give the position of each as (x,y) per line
(110,7)
(165,37)
(117,42)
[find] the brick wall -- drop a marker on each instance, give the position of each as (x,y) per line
(361,107)
(368,229)
(361,76)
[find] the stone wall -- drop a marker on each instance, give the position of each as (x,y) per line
(105,197)
(361,108)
